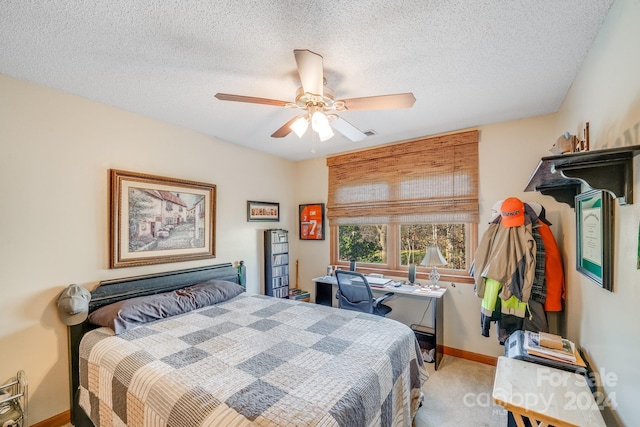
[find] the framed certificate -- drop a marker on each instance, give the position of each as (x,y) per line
(312,221)
(594,236)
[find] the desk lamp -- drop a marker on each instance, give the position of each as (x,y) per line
(433,258)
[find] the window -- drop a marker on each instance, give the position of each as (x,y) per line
(363,243)
(449,238)
(387,204)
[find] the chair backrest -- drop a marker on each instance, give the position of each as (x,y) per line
(354,292)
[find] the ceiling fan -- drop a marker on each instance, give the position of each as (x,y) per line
(319,104)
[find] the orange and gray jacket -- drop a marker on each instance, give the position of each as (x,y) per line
(508,256)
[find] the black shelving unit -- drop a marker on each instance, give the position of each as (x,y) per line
(276,263)
(561,176)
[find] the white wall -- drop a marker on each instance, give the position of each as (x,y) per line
(56,153)
(607,95)
(311,186)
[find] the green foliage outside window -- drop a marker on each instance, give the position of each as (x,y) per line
(363,243)
(450,239)
(368,243)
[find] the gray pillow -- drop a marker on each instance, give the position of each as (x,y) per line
(124,315)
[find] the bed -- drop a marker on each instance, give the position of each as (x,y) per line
(191,348)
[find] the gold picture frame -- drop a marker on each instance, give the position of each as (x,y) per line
(156,219)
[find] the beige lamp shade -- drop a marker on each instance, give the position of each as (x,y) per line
(433,258)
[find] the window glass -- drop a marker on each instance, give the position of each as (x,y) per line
(363,243)
(450,239)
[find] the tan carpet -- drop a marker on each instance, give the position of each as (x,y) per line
(458,394)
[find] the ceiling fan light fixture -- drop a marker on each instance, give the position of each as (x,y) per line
(319,121)
(299,127)
(320,124)
(325,134)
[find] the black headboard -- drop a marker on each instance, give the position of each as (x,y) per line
(110,291)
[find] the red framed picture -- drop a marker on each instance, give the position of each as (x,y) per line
(312,221)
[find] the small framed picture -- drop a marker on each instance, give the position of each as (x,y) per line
(263,211)
(312,221)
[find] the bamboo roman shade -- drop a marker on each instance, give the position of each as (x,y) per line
(429,180)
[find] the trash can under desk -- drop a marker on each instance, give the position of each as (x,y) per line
(426,338)
(324,293)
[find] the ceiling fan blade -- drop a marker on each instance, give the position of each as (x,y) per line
(250,99)
(382,102)
(310,71)
(347,129)
(285,129)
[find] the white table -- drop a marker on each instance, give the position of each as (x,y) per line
(544,395)
(325,295)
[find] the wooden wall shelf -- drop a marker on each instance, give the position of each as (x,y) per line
(562,176)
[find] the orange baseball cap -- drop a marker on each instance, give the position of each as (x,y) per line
(512,212)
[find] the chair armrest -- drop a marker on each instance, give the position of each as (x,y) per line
(380,300)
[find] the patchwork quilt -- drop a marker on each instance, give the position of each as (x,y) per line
(254,360)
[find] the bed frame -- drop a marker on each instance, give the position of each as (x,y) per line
(111,291)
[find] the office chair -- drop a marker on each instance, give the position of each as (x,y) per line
(354,293)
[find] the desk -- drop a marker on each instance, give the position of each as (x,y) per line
(545,395)
(325,291)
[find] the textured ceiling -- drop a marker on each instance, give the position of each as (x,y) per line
(468,63)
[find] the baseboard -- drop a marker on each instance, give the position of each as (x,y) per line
(55,421)
(469,355)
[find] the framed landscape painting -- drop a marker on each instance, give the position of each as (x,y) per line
(155,219)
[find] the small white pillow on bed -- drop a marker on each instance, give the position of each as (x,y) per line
(124,315)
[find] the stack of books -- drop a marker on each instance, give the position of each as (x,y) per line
(552,347)
(299,294)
